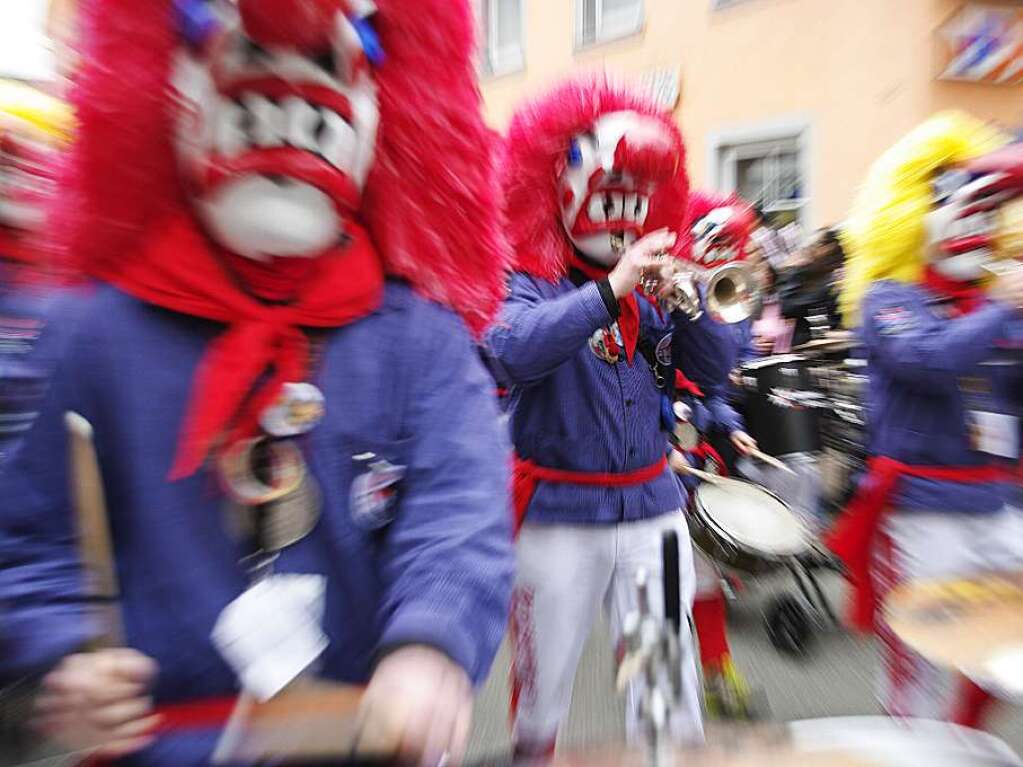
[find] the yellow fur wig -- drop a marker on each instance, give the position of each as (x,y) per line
(884,234)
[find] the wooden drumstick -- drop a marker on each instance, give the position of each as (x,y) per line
(95,547)
(770,460)
(706,476)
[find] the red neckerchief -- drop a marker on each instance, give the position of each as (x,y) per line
(966,297)
(180,270)
(683,384)
(628,309)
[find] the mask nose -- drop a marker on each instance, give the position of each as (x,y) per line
(305,25)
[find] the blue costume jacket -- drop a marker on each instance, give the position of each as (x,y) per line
(572,410)
(929,376)
(32,323)
(404,383)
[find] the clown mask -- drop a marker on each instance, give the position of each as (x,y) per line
(974,227)
(278,120)
(608,179)
(720,237)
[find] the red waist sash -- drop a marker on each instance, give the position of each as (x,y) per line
(209,714)
(527,475)
(852,538)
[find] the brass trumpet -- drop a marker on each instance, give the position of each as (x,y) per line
(731,293)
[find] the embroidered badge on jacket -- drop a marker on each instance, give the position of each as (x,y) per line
(374,493)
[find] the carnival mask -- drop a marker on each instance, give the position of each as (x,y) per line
(278,120)
(25,182)
(977,221)
(608,180)
(720,237)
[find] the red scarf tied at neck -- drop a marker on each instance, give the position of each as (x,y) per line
(628,309)
(966,297)
(179,269)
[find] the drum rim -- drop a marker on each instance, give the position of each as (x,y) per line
(806,732)
(807,537)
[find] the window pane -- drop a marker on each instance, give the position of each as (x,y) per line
(621,6)
(750,178)
(789,181)
(509,24)
(588,29)
(502,29)
(620,17)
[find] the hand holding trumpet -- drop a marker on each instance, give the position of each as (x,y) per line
(644,262)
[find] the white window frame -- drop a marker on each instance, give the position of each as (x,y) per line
(511,59)
(607,30)
(725,148)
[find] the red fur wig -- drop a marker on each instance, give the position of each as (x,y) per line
(431,202)
(537,142)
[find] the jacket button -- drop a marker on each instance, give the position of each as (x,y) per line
(629,403)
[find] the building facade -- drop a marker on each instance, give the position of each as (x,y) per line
(786,101)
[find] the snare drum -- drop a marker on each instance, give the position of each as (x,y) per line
(840,742)
(903,743)
(781,405)
(744,527)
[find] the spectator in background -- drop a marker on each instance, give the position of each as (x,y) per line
(808,290)
(771,331)
(768,240)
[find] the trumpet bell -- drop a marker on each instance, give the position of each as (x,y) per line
(731,294)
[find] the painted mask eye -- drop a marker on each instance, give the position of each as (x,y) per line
(370,40)
(575,154)
(197,22)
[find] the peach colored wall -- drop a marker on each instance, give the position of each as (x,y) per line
(859,72)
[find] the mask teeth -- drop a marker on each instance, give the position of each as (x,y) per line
(628,207)
(257,121)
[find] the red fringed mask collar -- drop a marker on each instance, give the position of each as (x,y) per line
(180,270)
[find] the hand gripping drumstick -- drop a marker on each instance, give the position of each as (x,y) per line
(90,509)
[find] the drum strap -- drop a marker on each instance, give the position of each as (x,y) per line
(527,476)
(852,538)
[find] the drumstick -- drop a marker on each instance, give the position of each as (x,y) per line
(770,460)
(704,475)
(97,552)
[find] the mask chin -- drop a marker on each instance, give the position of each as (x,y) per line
(965,267)
(597,248)
(259,218)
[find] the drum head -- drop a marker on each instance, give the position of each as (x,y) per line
(903,743)
(752,518)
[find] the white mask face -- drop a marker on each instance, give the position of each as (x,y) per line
(715,238)
(956,223)
(605,193)
(276,143)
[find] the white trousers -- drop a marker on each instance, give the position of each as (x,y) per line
(918,544)
(565,574)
